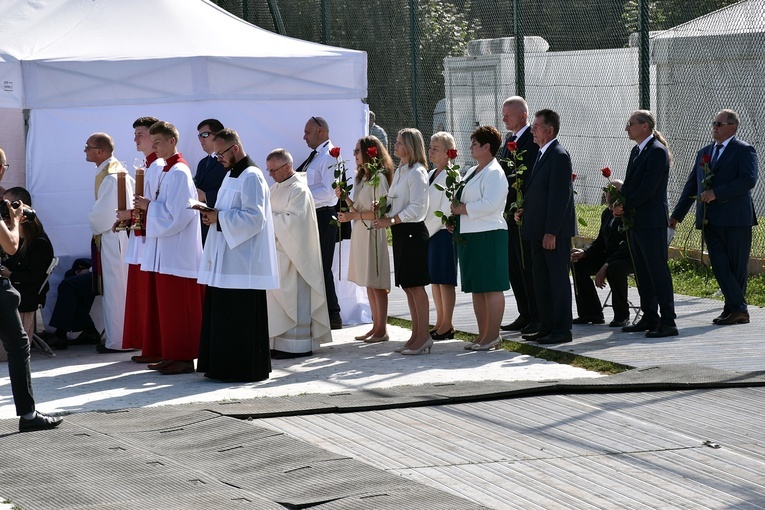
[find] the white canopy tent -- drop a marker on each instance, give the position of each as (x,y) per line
(74,67)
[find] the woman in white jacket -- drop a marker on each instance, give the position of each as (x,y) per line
(481,237)
(442,262)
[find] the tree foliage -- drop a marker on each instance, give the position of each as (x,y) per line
(665,14)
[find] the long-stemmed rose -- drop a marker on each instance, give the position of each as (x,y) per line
(614,198)
(517,169)
(452,188)
(380,206)
(345,188)
(706,184)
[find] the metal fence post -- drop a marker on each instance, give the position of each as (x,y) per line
(413,56)
(520,63)
(645,56)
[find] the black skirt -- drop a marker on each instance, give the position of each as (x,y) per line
(410,254)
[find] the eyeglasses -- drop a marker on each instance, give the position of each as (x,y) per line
(204,134)
(720,124)
(89,147)
(272,170)
(6,166)
(356,151)
(317,122)
(221,153)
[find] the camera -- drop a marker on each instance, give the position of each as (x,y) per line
(29,214)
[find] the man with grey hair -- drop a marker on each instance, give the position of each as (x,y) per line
(108,245)
(722,178)
(515,116)
(298,318)
(376,130)
(238,265)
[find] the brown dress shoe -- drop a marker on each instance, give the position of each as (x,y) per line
(177,367)
(734,318)
(160,364)
(146,359)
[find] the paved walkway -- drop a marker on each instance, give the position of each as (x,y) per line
(459,448)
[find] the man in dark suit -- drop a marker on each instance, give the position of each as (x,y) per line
(646,214)
(515,115)
(210,172)
(548,224)
(607,258)
(724,187)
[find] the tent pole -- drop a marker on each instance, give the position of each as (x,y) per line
(273,7)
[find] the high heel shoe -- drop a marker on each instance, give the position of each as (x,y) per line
(494,344)
(377,339)
(435,335)
(469,346)
(427,345)
(401,348)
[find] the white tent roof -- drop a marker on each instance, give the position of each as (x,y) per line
(87,52)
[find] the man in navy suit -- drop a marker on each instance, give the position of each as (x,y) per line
(607,258)
(645,213)
(548,224)
(515,115)
(210,172)
(724,187)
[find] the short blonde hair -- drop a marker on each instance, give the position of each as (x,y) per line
(445,138)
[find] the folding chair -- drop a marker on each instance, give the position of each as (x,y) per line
(636,310)
(35,339)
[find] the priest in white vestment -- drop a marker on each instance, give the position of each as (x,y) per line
(110,245)
(238,265)
(298,314)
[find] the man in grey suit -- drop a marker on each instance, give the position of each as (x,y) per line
(548,224)
(723,176)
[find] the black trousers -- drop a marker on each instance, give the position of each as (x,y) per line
(16,344)
(521,277)
(586,295)
(654,281)
(327,241)
(75,297)
(553,288)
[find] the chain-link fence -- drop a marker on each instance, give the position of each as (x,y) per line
(449,64)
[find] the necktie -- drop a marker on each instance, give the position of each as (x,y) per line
(716,153)
(304,165)
(512,138)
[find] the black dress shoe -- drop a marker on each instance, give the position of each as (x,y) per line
(722,315)
(336,322)
(87,338)
(57,343)
(531,328)
(276,354)
(39,422)
(517,325)
(617,323)
(662,331)
(589,320)
(640,326)
(555,338)
(449,335)
(734,318)
(534,337)
(102,349)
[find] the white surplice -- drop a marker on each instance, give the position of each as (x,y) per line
(241,255)
(173,236)
(137,244)
(112,249)
(301,300)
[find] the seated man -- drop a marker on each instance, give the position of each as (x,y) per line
(607,258)
(72,310)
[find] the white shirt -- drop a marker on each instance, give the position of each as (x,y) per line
(437,201)
(484,198)
(137,244)
(320,174)
(408,194)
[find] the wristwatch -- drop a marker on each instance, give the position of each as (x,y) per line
(392,220)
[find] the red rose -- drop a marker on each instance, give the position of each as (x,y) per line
(706,159)
(512,146)
(573,177)
(606,172)
(451,153)
(372,152)
(334,152)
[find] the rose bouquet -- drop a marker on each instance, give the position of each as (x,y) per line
(345,188)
